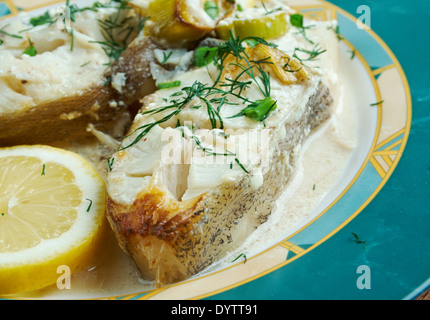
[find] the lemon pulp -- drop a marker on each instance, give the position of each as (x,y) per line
(51,214)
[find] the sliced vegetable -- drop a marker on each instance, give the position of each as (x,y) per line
(182,21)
(272,60)
(288,70)
(268,27)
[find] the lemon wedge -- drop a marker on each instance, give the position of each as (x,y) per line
(52,206)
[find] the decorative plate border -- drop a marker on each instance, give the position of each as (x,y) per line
(391,87)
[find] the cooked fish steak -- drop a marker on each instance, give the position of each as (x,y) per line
(177,203)
(55,77)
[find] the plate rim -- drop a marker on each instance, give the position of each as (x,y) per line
(406,131)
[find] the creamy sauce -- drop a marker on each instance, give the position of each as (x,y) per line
(325,156)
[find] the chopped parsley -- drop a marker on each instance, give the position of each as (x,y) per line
(211,8)
(297,20)
(166,57)
(167,85)
(42,19)
(89,206)
(215,97)
(204,56)
(311,54)
(30,50)
(110,163)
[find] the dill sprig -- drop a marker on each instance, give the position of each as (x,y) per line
(211,152)
(117,32)
(312,54)
(215,96)
(9,34)
(297,20)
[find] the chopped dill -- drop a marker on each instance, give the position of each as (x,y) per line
(108,80)
(89,206)
(9,34)
(30,50)
(297,21)
(110,163)
(166,57)
(167,85)
(357,239)
(377,103)
(214,97)
(42,19)
(241,255)
(312,54)
(268,12)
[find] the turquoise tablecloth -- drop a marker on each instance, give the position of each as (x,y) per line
(396,224)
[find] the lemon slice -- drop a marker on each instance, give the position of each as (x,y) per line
(52,206)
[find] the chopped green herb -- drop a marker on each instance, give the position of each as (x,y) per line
(357,239)
(258,110)
(217,95)
(338,35)
(377,103)
(91,203)
(269,11)
(43,170)
(110,163)
(312,54)
(297,20)
(31,50)
(108,80)
(211,8)
(9,34)
(204,56)
(241,255)
(166,57)
(313,188)
(72,41)
(353,52)
(40,20)
(167,85)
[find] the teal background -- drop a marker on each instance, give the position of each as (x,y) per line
(395,225)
